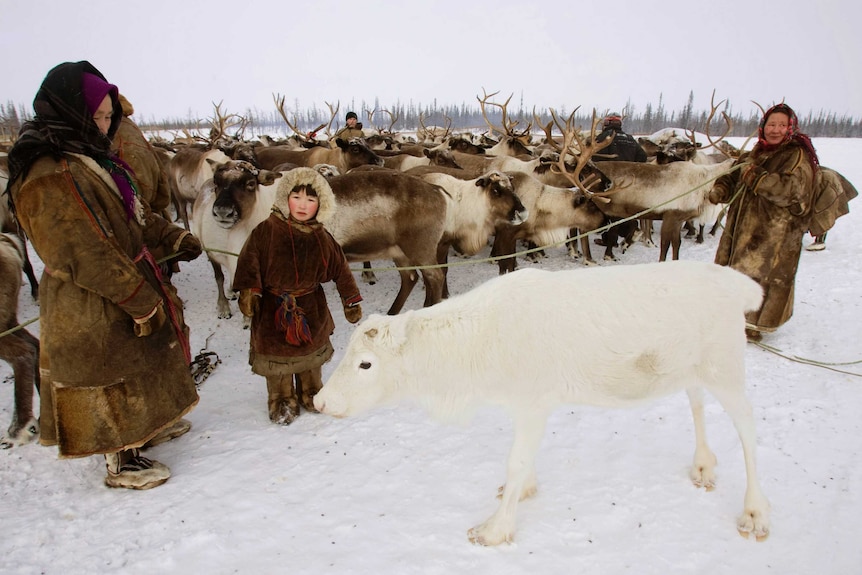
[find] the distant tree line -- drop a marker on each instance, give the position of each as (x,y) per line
(465,117)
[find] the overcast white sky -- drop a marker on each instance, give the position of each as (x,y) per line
(176,58)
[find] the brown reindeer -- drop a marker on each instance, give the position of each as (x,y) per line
(512,142)
(8,224)
(18,348)
(672,193)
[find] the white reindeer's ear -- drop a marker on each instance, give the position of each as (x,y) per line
(388,332)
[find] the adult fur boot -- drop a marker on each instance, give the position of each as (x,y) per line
(129,470)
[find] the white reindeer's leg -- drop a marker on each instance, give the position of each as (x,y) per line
(755,514)
(520,480)
(528,490)
(222,304)
(702,471)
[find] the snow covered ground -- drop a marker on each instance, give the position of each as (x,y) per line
(395,491)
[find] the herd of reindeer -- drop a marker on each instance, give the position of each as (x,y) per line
(411,200)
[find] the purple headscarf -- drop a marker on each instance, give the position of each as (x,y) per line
(64,107)
(95,89)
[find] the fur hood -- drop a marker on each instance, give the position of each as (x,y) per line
(306,177)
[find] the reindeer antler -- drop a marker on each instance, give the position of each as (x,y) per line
(713,107)
(380,129)
(279,105)
(573,142)
(332,113)
(221,122)
(508,126)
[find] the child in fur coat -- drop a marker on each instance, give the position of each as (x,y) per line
(279,274)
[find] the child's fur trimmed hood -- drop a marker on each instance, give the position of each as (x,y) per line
(306,177)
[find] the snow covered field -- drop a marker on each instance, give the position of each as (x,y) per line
(394,492)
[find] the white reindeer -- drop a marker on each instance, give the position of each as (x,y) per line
(509,342)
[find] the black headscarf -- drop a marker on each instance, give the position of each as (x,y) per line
(64,123)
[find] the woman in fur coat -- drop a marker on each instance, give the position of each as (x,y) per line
(278,276)
(771,195)
(114,353)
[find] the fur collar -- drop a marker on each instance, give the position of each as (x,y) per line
(103,175)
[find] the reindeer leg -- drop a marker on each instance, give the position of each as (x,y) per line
(222,304)
(443,258)
(183,210)
(702,470)
(21,351)
(587,260)
(28,268)
(504,243)
(368,275)
(755,514)
(433,280)
(520,480)
(572,247)
(408,280)
(676,241)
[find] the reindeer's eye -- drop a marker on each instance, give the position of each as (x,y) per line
(365,365)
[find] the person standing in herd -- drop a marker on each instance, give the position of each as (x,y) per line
(771,197)
(278,276)
(624,147)
(353,129)
(114,354)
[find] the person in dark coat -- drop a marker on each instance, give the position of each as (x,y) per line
(279,277)
(771,197)
(624,148)
(114,353)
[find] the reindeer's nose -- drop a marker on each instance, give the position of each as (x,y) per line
(225,216)
(319,404)
(329,405)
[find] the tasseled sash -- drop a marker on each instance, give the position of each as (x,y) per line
(290,318)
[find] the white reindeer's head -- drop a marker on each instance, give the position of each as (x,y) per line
(370,370)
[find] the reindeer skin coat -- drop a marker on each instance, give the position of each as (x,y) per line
(103,389)
(283,255)
(765,224)
(132,147)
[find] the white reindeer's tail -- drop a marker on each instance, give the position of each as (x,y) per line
(742,287)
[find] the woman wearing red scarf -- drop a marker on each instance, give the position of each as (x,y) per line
(771,196)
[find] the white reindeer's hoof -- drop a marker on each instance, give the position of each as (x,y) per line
(753,522)
(485,535)
(23,435)
(703,476)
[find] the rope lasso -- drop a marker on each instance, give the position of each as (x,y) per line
(493,259)
(815,363)
(824,365)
